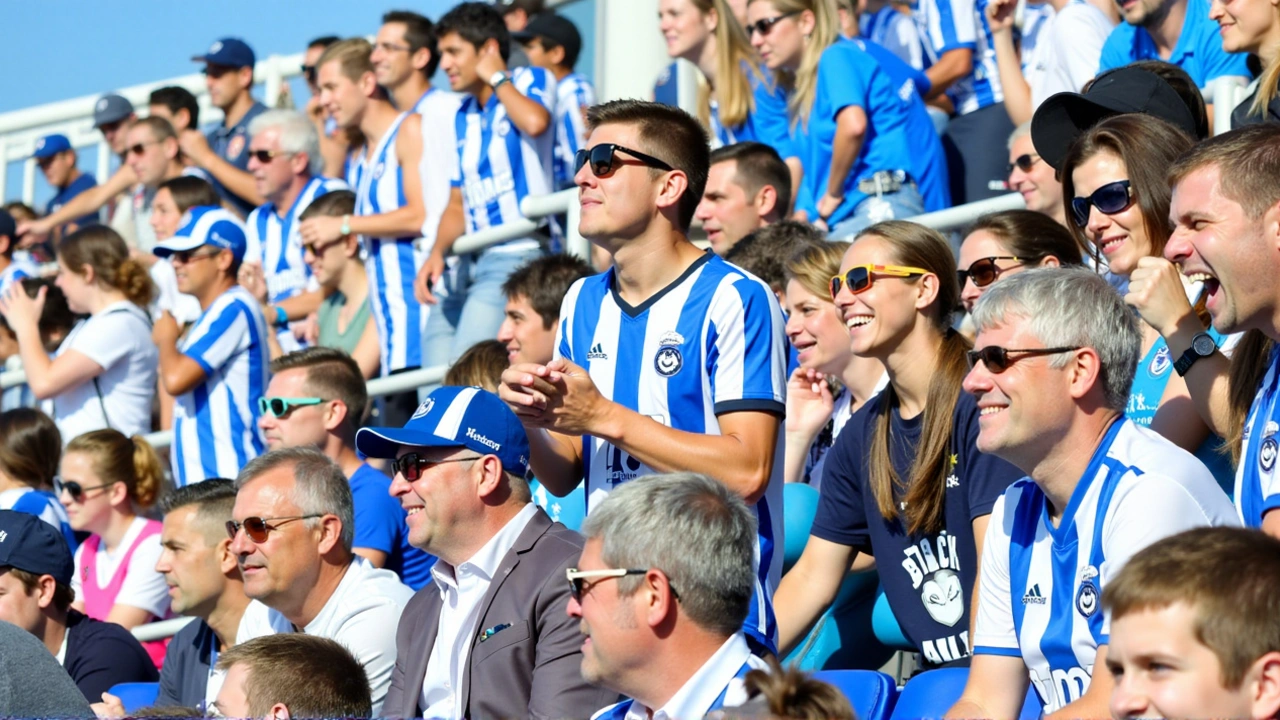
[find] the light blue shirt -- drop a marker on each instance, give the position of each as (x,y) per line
(1199,49)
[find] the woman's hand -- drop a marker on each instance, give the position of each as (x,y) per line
(20,310)
(809,403)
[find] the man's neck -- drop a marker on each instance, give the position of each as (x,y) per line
(75,175)
(215,291)
(1059,470)
(910,367)
(645,265)
(284,200)
(561,72)
(354,284)
(411,91)
(467,544)
(53,631)
(341,452)
(1166,27)
(674,663)
(377,119)
(225,618)
(172,170)
(234,114)
(326,585)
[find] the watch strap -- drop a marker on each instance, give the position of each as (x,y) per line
(1183,364)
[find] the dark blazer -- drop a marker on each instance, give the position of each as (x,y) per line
(531,669)
(186,666)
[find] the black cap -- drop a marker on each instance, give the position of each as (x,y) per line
(8,227)
(1063,117)
(555,28)
(33,545)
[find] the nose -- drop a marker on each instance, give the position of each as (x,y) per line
(1098,220)
(1216,10)
(399,486)
(162,563)
(506,331)
(1179,247)
(978,380)
(574,608)
(793,326)
(584,178)
(970,293)
(266,421)
(240,544)
(1126,701)
(1016,176)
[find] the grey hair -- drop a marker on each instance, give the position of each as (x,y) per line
(1019,132)
(694,529)
(320,487)
(297,134)
(1070,307)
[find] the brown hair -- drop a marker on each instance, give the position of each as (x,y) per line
(1248,161)
(1230,577)
(336,686)
(353,56)
(331,204)
(120,459)
(925,489)
(669,134)
(30,447)
(758,165)
(1248,366)
(764,252)
(1031,236)
(813,266)
(544,282)
(63,595)
(480,366)
(793,694)
(102,249)
(332,375)
(160,128)
(188,191)
(733,92)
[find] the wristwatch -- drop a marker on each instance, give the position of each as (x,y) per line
(496,79)
(1202,345)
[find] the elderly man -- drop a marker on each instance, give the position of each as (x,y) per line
(291,531)
(664,624)
(292,676)
(1053,363)
(495,615)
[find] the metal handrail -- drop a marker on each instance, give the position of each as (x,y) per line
(161,629)
(961,216)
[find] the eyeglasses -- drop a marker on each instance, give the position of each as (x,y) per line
(411,465)
(257,528)
(264,156)
(985,271)
(139,149)
(1109,199)
(281,406)
(860,277)
(184,257)
(578,585)
(309,72)
(74,489)
(997,359)
(765,25)
(1024,162)
(602,155)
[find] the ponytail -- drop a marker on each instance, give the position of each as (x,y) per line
(116,458)
(148,473)
(101,248)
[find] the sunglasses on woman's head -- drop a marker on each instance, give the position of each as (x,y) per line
(764,25)
(75,489)
(997,359)
(985,271)
(1109,199)
(1023,162)
(257,528)
(860,278)
(601,158)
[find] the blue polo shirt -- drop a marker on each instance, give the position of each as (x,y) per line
(1199,49)
(232,145)
(77,186)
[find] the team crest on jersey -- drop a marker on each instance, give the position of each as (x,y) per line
(378,170)
(423,409)
(1160,363)
(235,147)
(1267,453)
(502,127)
(1087,596)
(668,361)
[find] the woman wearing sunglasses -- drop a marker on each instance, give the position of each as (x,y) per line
(1114,183)
(1253,27)
(30,446)
(104,373)
(1009,242)
(904,482)
(831,383)
(107,480)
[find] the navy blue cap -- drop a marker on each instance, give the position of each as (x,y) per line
(111,108)
(50,145)
(206,225)
(33,545)
(8,226)
(228,52)
(467,417)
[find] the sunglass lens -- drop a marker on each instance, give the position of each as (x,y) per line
(232,528)
(1111,198)
(256,529)
(408,466)
(1080,211)
(580,158)
(984,272)
(995,358)
(858,279)
(836,284)
(602,160)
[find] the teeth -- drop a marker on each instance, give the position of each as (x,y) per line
(1200,277)
(858,321)
(415,511)
(991,410)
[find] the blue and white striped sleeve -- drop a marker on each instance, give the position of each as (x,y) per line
(219,336)
(995,633)
(564,333)
(952,25)
(746,348)
(574,118)
(538,85)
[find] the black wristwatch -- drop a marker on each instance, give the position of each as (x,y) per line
(1202,345)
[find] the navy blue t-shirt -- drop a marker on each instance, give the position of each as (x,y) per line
(82,182)
(102,654)
(381,525)
(928,579)
(232,145)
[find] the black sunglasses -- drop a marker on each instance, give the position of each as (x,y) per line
(765,25)
(997,359)
(73,488)
(309,72)
(985,271)
(257,528)
(1023,162)
(264,156)
(187,256)
(1109,199)
(601,157)
(411,465)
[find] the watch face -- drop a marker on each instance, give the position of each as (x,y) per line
(1203,345)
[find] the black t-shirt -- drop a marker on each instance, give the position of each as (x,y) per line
(927,579)
(102,654)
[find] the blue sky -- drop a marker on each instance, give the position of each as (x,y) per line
(58,49)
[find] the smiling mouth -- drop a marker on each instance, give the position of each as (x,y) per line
(858,321)
(992,410)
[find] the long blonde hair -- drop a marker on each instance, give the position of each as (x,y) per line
(803,83)
(1267,87)
(733,50)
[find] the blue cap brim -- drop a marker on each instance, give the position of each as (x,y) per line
(177,243)
(386,442)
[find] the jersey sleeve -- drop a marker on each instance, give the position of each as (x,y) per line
(841,517)
(748,353)
(995,633)
(537,85)
(216,339)
(564,334)
(143,587)
(844,78)
(255,227)
(952,25)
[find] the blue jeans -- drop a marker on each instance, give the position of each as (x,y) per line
(471,307)
(899,205)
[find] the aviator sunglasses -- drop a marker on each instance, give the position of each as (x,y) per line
(985,271)
(1023,162)
(1109,199)
(257,528)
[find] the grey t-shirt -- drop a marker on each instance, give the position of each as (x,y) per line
(32,683)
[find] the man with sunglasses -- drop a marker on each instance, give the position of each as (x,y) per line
(291,532)
(673,359)
(1053,363)
(222,150)
(663,623)
(489,637)
(221,366)
(1033,178)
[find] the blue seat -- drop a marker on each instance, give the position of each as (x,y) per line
(800,506)
(932,693)
(569,510)
(842,638)
(136,695)
(885,625)
(871,693)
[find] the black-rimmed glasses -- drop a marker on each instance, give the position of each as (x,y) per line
(601,158)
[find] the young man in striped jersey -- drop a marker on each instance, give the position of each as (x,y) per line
(220,370)
(671,360)
(284,158)
(1053,363)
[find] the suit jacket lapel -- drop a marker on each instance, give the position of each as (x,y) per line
(416,670)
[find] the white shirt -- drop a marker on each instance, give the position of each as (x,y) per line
(438,110)
(143,587)
(118,339)
(1067,51)
(461,590)
(183,307)
(362,614)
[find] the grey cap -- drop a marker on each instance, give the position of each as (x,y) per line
(111,108)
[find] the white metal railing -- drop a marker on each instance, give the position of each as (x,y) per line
(961,216)
(534,208)
(161,629)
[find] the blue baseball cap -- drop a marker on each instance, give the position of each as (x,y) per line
(33,545)
(206,225)
(229,52)
(50,145)
(467,417)
(111,108)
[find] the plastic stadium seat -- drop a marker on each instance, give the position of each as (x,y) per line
(137,695)
(800,505)
(932,693)
(842,638)
(885,625)
(871,693)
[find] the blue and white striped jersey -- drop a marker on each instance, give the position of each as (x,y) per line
(1041,586)
(498,164)
(391,263)
(574,95)
(711,343)
(952,24)
(215,424)
(15,272)
(1257,490)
